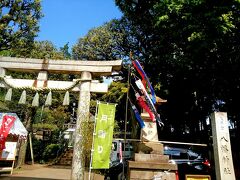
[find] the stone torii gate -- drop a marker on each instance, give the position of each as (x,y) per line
(84,85)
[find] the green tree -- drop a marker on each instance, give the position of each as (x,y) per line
(19,23)
(98,44)
(65,51)
(117,94)
(45,50)
(189,49)
(54,115)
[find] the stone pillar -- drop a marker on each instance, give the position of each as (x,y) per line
(42,79)
(82,117)
(149,132)
(222,147)
(2,72)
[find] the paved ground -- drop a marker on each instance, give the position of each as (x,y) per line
(38,172)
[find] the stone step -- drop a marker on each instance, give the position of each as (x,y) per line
(68,155)
(151,158)
(66,158)
(65,162)
(69,151)
(151,165)
(150,174)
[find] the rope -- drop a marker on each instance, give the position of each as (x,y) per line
(75,83)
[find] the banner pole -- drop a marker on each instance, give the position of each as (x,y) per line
(125,123)
(95,119)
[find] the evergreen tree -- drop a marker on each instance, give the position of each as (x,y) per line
(19,23)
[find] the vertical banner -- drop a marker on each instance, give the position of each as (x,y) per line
(103,136)
(7,123)
(120,152)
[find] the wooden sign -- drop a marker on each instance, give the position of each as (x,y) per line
(9,152)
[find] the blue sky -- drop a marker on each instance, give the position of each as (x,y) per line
(68,20)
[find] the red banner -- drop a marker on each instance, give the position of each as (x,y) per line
(7,123)
(120,152)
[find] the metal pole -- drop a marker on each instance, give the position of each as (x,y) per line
(90,166)
(126,114)
(78,163)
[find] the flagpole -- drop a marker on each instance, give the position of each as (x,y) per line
(95,119)
(126,113)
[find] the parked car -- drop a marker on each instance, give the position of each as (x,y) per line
(117,147)
(116,161)
(115,172)
(188,161)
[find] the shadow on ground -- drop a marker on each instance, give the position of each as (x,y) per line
(23,178)
(38,172)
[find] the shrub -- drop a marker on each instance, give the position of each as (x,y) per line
(51,151)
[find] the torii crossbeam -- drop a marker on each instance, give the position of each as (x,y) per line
(84,85)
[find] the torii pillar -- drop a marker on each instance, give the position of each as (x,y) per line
(82,115)
(87,70)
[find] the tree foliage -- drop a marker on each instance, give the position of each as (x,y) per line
(40,50)
(99,44)
(190,50)
(50,118)
(45,50)
(117,94)
(56,116)
(19,23)
(65,51)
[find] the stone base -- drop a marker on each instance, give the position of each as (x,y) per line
(151,170)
